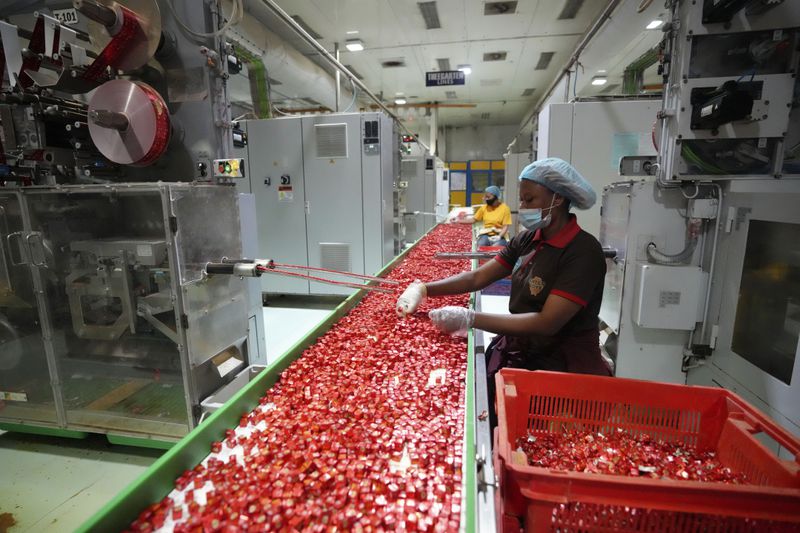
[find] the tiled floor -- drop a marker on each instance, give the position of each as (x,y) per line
(55,484)
(50,484)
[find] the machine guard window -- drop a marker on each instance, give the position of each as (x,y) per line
(767,325)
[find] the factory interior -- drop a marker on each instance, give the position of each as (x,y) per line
(441,265)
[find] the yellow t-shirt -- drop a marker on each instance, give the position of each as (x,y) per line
(494,217)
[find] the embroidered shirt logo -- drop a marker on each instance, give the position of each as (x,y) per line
(536,285)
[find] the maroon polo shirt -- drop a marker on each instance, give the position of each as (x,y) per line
(570,265)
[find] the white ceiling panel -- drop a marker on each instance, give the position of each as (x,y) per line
(394,29)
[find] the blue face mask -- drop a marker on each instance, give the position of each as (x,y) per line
(531,219)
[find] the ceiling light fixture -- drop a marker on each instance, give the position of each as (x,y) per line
(654,24)
(400,101)
(352,32)
(354,45)
(466,69)
(599,80)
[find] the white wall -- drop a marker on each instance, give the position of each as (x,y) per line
(477,142)
(593,136)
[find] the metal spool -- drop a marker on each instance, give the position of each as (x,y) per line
(129,122)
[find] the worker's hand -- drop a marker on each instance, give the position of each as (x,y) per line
(453,320)
(411,298)
(494,239)
(461,215)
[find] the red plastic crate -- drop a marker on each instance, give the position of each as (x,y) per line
(540,499)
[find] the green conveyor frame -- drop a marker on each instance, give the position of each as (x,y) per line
(158,480)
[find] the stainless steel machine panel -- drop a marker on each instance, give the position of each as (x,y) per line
(215,307)
(256,334)
(377,191)
(334,188)
(759,299)
(613,234)
(134,334)
(275,159)
(420,195)
(636,214)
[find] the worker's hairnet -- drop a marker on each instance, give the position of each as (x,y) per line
(561,178)
(494,190)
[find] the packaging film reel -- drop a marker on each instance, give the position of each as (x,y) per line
(129,122)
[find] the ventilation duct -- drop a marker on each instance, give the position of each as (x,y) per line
(430,15)
(356,73)
(495,56)
(302,23)
(331,140)
(499,8)
(393,63)
(299,76)
(544,60)
(570,11)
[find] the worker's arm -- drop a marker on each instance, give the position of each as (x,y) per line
(506,222)
(466,219)
(557,311)
(470,281)
(504,231)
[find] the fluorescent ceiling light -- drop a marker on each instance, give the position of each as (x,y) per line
(466,69)
(354,45)
(599,80)
(352,32)
(399,94)
(400,101)
(655,24)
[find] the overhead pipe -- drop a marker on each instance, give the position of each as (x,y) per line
(338,79)
(280,13)
(604,16)
(283,61)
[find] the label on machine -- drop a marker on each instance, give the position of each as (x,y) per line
(285,193)
(66,16)
(13,396)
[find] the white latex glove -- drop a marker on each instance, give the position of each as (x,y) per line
(494,239)
(408,302)
(453,320)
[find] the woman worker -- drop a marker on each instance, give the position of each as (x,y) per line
(557,273)
(496,217)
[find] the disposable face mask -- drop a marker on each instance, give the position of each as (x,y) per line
(531,219)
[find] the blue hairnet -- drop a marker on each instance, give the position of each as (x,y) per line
(494,190)
(561,178)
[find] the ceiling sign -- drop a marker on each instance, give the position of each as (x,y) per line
(444,77)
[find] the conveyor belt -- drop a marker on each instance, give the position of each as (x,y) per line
(189,452)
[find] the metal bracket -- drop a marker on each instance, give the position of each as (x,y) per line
(29,240)
(480,461)
(22,251)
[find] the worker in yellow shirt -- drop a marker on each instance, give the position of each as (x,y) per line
(496,217)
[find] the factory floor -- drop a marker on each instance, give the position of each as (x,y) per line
(50,484)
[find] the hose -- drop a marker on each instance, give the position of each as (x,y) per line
(681,257)
(660,258)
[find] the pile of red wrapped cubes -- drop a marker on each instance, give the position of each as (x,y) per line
(363,432)
(624,454)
